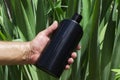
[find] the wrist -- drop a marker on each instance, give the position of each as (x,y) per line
(31,53)
(27,53)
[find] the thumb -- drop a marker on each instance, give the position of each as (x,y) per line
(51,28)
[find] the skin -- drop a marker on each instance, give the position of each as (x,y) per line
(12,53)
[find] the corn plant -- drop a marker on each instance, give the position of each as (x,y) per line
(21,20)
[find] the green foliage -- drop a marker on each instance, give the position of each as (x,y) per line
(117,71)
(21,20)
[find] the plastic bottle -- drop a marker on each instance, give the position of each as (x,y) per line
(64,41)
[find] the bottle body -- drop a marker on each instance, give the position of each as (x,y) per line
(64,41)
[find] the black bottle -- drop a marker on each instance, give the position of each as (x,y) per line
(66,38)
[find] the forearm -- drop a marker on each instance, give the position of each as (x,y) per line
(14,53)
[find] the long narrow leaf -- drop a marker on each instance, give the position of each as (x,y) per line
(93,53)
(41,17)
(107,49)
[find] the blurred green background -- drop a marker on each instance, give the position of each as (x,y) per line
(98,59)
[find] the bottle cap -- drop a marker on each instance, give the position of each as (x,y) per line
(77,17)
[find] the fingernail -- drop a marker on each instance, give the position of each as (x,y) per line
(55,22)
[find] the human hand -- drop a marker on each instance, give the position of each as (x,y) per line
(39,43)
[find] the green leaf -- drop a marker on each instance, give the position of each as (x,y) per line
(26,72)
(107,49)
(86,12)
(1,73)
(13,72)
(41,17)
(116,53)
(93,50)
(21,19)
(105,5)
(29,13)
(6,73)
(71,9)
(2,36)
